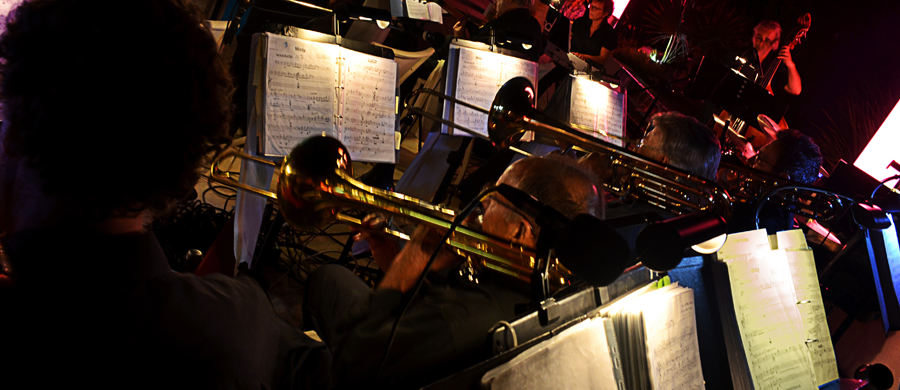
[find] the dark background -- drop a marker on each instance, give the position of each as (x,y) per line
(848,64)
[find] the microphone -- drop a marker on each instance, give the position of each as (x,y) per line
(585,245)
(592,250)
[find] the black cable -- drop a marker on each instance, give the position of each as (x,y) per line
(765,197)
(895,177)
(408,299)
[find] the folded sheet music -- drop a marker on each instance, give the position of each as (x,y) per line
(775,326)
(313,88)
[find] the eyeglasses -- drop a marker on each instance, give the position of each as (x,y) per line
(509,206)
(760,38)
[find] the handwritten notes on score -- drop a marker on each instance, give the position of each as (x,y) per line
(597,110)
(315,88)
(769,321)
(812,315)
(779,309)
(656,329)
(672,346)
(480,74)
(300,92)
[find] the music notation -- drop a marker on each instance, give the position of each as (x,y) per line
(769,321)
(314,88)
(656,330)
(599,108)
(368,111)
(480,75)
(812,313)
(671,330)
(299,98)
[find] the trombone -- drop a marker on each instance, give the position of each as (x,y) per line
(751,185)
(671,189)
(316,183)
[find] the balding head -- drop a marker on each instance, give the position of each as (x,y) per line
(557,181)
(554,180)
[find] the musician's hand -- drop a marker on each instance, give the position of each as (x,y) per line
(384,246)
(459,29)
(411,261)
(785,55)
(424,241)
(581,56)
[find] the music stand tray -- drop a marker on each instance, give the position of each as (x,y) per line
(730,90)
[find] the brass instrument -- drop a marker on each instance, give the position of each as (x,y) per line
(750,185)
(633,176)
(316,182)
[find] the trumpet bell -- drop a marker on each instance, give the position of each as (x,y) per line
(309,177)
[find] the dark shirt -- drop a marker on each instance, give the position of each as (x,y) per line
(586,43)
(444,330)
(514,24)
(107,311)
(754,71)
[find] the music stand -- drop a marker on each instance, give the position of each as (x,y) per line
(733,92)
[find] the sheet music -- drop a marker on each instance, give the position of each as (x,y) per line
(367,114)
(812,314)
(597,108)
(769,321)
(299,93)
(791,239)
(417,9)
(578,357)
(583,107)
(480,74)
(744,243)
(672,348)
(611,115)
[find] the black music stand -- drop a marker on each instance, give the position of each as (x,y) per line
(733,92)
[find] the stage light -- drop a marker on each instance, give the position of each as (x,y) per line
(620,8)
(661,245)
(881,151)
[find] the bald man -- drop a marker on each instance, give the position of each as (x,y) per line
(445,328)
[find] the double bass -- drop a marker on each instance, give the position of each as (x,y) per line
(738,127)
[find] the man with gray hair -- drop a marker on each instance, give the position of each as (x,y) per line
(682,142)
(756,61)
(675,140)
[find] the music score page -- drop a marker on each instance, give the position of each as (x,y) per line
(300,100)
(480,74)
(597,110)
(315,88)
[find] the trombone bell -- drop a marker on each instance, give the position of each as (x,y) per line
(309,177)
